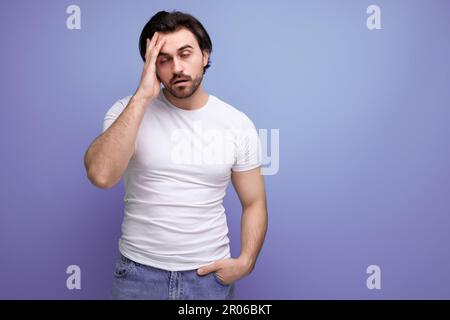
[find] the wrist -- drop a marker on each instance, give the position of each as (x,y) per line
(246,262)
(142,96)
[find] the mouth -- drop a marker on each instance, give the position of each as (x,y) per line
(181,82)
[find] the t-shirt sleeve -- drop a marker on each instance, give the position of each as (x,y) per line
(248,146)
(112,114)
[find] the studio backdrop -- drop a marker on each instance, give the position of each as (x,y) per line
(351,100)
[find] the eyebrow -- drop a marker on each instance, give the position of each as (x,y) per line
(180,49)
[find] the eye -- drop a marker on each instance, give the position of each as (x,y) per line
(185,55)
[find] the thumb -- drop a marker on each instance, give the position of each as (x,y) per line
(206,269)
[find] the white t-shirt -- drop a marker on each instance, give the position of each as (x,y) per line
(176,180)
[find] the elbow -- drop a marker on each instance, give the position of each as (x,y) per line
(95,176)
(100,181)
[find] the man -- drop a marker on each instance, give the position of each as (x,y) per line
(177,148)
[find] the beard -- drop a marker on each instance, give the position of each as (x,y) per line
(185,90)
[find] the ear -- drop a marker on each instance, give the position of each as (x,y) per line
(205,57)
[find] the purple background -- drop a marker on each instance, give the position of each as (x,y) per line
(364,141)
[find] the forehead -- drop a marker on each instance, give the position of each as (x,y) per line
(176,40)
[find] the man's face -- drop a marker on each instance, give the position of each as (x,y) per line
(181,58)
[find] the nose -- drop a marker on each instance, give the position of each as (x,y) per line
(177,66)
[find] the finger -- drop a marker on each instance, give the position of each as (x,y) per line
(151,48)
(207,269)
(153,40)
(150,45)
(155,52)
(146,51)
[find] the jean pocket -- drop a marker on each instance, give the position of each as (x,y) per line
(123,267)
(216,278)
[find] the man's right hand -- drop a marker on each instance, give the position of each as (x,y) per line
(149,85)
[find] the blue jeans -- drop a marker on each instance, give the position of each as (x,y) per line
(133,280)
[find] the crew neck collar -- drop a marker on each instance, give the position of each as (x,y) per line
(184,111)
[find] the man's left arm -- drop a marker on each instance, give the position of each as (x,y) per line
(249,186)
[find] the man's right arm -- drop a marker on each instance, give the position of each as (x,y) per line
(107,157)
